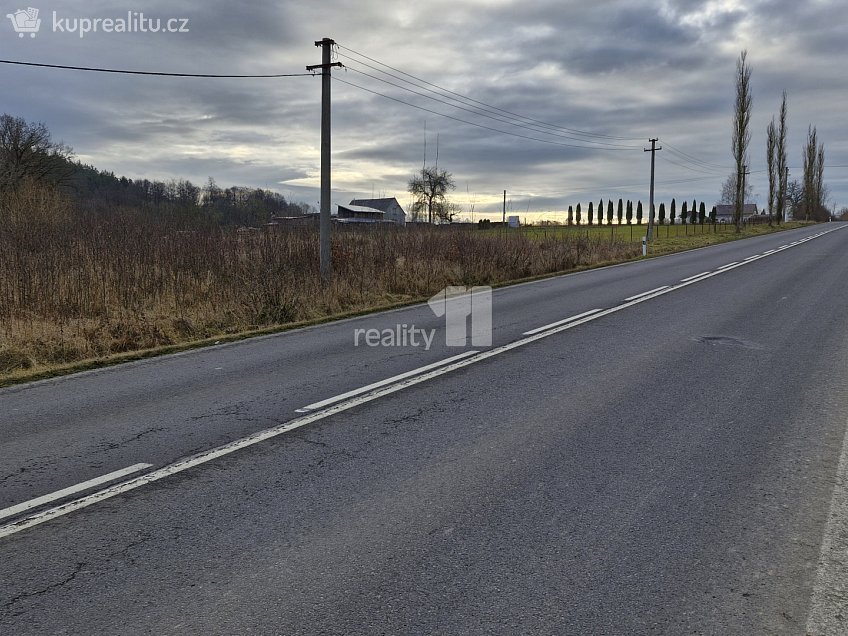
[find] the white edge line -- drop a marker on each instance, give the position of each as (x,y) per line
(686,280)
(376,385)
(256,438)
(729,265)
(653,291)
(560,322)
(752,257)
(71,490)
(831,583)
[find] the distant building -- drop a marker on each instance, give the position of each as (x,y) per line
(724,213)
(301,220)
(391,209)
(360,214)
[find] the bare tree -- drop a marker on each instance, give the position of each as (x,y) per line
(814,196)
(728,190)
(795,199)
(782,162)
(741,132)
(28,152)
(821,211)
(771,165)
(430,193)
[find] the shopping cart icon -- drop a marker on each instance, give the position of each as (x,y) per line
(25,21)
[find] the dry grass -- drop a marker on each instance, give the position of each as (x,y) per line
(77,286)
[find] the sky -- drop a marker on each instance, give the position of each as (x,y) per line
(617,72)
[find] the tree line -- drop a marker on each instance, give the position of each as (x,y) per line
(625,213)
(29,157)
(805,199)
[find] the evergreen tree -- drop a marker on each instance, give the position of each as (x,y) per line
(578,214)
(673,211)
(684,213)
(591,213)
(639,213)
(570,215)
(662,213)
(629,212)
(702,213)
(620,211)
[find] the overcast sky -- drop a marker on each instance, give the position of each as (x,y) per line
(621,70)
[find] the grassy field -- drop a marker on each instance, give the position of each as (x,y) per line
(667,238)
(79,290)
(634,233)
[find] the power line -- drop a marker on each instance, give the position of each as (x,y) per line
(635,186)
(471,123)
(475,101)
(690,167)
(496,117)
(155,73)
(694,160)
(495,112)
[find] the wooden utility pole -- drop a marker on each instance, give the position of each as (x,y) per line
(503,218)
(653,150)
(324,227)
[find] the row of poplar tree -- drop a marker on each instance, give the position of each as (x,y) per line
(697,214)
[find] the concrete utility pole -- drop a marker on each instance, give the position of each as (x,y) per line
(324,239)
(653,150)
(503,218)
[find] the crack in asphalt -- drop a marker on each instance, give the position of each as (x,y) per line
(107,446)
(33,465)
(69,578)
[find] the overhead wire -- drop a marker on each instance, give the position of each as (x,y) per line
(93,69)
(475,101)
(471,123)
(498,118)
(687,157)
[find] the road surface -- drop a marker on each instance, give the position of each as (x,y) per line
(652,448)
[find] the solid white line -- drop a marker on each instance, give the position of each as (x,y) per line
(646,293)
(827,605)
(559,322)
(728,265)
(71,490)
(376,385)
(752,257)
(256,438)
(686,280)
(783,247)
(769,252)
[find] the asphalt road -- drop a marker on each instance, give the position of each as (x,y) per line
(667,466)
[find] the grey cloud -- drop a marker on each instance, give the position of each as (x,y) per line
(617,67)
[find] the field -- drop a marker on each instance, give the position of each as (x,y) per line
(667,238)
(80,289)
